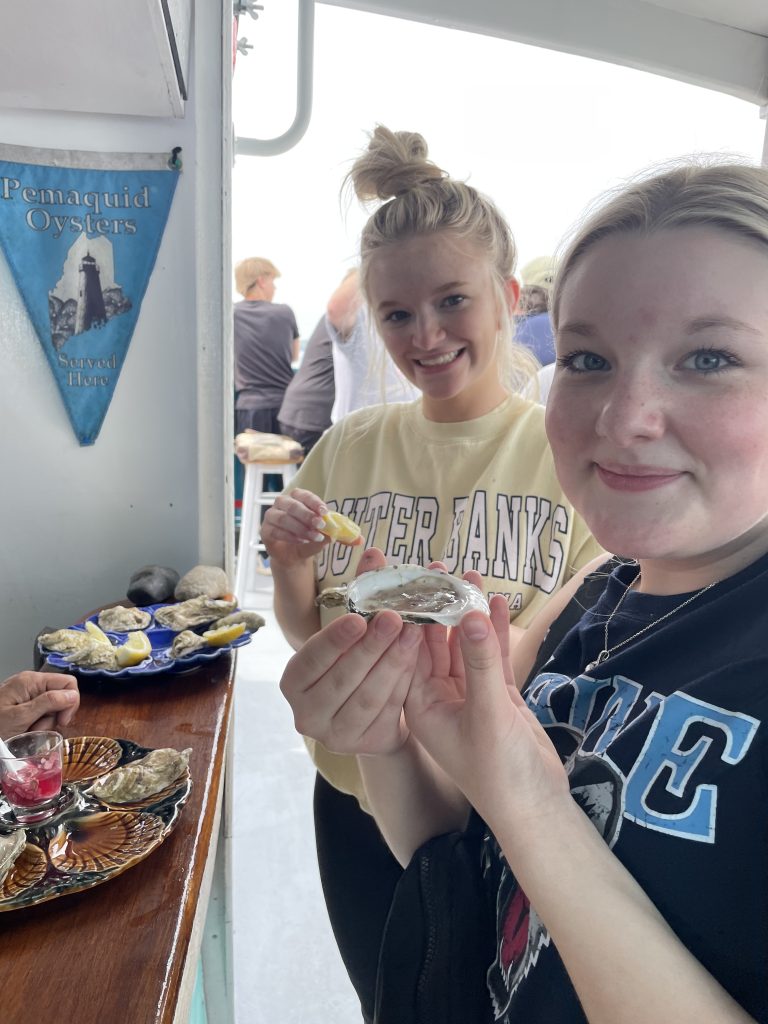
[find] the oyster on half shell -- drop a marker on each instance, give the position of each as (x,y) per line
(142,778)
(418,595)
(123,620)
(197,611)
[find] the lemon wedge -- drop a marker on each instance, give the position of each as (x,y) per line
(135,649)
(341,528)
(224,634)
(99,636)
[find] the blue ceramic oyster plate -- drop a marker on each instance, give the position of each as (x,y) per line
(159,661)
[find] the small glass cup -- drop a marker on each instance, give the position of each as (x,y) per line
(31,779)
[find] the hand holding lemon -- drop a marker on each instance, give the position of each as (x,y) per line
(341,529)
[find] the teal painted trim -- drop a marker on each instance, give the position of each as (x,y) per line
(197,1014)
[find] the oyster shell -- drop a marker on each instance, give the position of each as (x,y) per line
(142,778)
(185,643)
(96,655)
(198,611)
(251,620)
(10,849)
(418,595)
(123,620)
(66,641)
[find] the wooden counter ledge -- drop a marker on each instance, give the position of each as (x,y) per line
(115,954)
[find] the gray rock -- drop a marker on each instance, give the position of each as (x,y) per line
(152,584)
(208,580)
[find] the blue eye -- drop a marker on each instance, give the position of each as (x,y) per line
(397,316)
(583,362)
(709,360)
(453,300)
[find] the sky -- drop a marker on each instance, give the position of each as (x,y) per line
(543,133)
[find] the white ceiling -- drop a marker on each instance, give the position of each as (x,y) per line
(719,44)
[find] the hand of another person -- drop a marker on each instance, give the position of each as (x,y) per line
(465,710)
(290,527)
(348,682)
(37,700)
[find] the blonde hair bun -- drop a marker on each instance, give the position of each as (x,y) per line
(393,163)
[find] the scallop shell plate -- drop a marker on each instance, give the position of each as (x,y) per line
(418,595)
(88,842)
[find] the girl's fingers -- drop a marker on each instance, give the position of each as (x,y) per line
(326,691)
(375,707)
(500,622)
(293,519)
(483,666)
(320,653)
(473,577)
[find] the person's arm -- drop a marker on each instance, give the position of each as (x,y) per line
(626,964)
(37,700)
(295,349)
(290,535)
(344,305)
(347,686)
(294,601)
(411,798)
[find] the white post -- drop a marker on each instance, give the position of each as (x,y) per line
(764,116)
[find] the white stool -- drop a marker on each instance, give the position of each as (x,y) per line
(254,499)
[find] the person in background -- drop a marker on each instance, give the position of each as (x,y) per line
(462,474)
(37,700)
(363,369)
(306,410)
(533,327)
(619,783)
(266,344)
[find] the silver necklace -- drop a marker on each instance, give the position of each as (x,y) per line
(608,651)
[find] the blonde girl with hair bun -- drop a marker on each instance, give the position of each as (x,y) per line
(463,475)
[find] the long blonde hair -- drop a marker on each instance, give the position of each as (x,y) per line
(418,198)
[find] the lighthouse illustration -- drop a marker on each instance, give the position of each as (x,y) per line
(91,311)
(86,295)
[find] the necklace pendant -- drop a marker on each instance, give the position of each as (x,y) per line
(602,656)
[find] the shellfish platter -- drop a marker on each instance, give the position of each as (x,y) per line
(92,838)
(171,643)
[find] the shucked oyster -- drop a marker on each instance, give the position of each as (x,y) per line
(419,595)
(185,643)
(123,620)
(196,612)
(142,778)
(251,620)
(81,647)
(66,641)
(10,848)
(96,655)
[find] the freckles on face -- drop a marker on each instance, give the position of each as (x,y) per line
(658,413)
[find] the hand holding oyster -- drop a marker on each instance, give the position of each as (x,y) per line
(418,595)
(146,777)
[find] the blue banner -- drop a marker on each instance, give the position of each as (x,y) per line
(81,232)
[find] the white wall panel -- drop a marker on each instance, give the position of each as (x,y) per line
(75,522)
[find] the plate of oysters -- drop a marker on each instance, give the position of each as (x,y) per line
(118,803)
(124,642)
